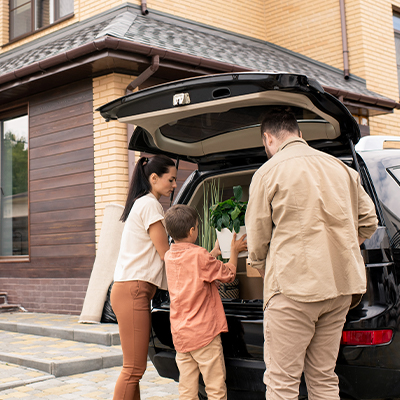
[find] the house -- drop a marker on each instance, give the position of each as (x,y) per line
(61,163)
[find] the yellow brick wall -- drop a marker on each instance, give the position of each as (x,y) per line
(311,28)
(110,147)
(90,8)
(373,56)
(243,17)
(4,21)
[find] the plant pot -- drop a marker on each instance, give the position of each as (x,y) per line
(225,239)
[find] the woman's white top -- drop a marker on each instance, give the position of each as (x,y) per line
(138,258)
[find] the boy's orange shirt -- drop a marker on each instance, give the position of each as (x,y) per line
(196,312)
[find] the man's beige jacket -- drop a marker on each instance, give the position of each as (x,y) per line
(305,214)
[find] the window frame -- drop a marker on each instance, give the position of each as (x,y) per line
(6,115)
(396,14)
(56,12)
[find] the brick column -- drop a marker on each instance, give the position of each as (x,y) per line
(111,177)
(4,24)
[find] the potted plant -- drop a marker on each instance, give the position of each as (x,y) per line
(228,216)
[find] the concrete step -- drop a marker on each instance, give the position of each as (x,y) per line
(55,356)
(60,326)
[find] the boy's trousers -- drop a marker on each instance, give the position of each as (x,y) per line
(303,337)
(209,360)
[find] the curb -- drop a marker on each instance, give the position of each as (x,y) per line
(69,367)
(77,335)
(6,386)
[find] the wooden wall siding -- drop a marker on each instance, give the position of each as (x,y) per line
(61,164)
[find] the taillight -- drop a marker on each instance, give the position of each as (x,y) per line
(366,338)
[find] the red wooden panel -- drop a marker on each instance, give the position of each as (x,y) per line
(82,225)
(62,170)
(53,216)
(63,204)
(62,136)
(60,148)
(61,125)
(73,250)
(63,238)
(65,112)
(63,193)
(59,98)
(71,180)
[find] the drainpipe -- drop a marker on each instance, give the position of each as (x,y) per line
(155,63)
(344,41)
(146,74)
(143,6)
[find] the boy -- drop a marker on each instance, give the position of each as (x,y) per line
(197,315)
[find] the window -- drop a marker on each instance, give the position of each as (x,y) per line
(26,16)
(14,186)
(396,25)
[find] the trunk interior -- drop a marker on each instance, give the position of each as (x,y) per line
(250,282)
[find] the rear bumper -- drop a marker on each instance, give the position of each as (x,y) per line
(245,378)
(369,383)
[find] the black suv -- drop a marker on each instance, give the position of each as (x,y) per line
(213,122)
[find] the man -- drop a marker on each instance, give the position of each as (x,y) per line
(306,218)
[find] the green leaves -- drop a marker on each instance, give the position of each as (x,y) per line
(229,213)
(238,192)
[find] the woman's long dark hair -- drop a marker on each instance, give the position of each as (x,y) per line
(140,184)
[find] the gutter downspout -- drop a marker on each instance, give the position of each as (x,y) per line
(155,63)
(344,41)
(146,74)
(143,7)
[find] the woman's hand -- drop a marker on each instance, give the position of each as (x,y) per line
(159,238)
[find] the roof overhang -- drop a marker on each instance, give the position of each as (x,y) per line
(111,54)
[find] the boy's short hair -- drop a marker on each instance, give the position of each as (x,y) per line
(179,219)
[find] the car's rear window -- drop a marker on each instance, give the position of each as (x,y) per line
(204,126)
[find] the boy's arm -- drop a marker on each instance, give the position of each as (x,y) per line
(216,270)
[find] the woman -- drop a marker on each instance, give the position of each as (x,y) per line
(140,266)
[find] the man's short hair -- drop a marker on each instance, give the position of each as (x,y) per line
(179,219)
(280,122)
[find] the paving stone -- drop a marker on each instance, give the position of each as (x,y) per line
(56,356)
(90,385)
(22,382)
